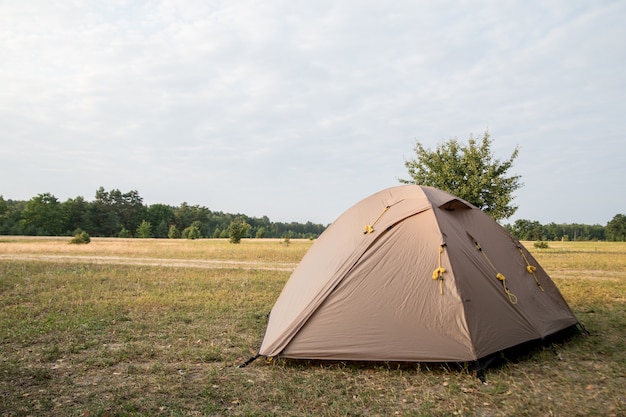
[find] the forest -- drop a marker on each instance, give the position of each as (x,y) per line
(522,229)
(123,214)
(117,214)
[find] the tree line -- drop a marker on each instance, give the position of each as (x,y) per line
(615,230)
(116,214)
(123,214)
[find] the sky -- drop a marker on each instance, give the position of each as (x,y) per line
(297,110)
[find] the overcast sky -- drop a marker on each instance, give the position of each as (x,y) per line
(299,109)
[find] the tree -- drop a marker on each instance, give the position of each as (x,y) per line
(5,223)
(3,207)
(237,229)
(524,229)
(11,216)
(144,230)
(129,207)
(124,233)
(173,232)
(162,216)
(469,172)
(616,228)
(112,210)
(42,215)
(162,230)
(75,213)
(103,218)
(193,231)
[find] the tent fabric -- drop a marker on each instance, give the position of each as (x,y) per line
(365,290)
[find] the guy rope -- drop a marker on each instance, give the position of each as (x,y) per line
(500,277)
(530,268)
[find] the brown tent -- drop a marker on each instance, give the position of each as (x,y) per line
(412,273)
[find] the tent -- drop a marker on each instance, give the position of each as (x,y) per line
(413,274)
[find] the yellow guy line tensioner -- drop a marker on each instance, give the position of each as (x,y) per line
(438,273)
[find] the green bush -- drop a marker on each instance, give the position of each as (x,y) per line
(540,244)
(80,237)
(237,229)
(287,238)
(173,233)
(191,232)
(144,230)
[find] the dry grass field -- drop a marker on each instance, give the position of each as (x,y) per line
(144,327)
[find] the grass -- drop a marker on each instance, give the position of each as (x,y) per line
(80,337)
(267,250)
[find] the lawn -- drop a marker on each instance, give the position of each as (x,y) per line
(148,327)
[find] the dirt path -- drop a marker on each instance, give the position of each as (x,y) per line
(184,263)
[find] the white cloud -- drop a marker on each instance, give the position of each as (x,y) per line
(298,109)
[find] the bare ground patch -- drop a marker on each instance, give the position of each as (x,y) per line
(184,263)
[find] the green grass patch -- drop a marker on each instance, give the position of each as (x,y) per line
(92,339)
